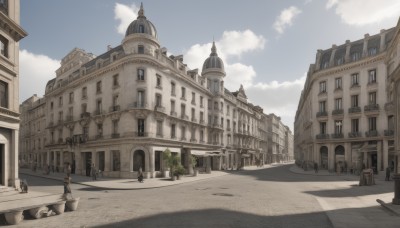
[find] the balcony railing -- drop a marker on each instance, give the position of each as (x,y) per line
(337,112)
(184,117)
(70,118)
(115,135)
(51,123)
(85,115)
(355,134)
(139,105)
(355,110)
(202,122)
(173,114)
(160,108)
(193,140)
(322,114)
(337,135)
(99,136)
(389,132)
(141,134)
(322,136)
(373,133)
(371,107)
(60,141)
(115,108)
(98,112)
(194,120)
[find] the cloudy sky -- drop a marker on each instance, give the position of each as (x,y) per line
(266,45)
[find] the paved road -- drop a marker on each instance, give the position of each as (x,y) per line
(272,197)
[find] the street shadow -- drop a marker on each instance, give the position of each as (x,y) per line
(224,218)
(353,191)
(40,181)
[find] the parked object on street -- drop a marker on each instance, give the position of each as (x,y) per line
(367,177)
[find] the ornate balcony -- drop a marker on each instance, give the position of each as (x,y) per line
(373,133)
(322,114)
(202,121)
(337,135)
(184,117)
(388,132)
(98,112)
(85,115)
(371,108)
(139,105)
(337,112)
(356,134)
(355,110)
(322,136)
(194,120)
(173,114)
(115,108)
(159,109)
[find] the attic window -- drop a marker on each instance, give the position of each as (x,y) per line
(141,28)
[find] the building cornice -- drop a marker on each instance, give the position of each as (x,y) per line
(12,28)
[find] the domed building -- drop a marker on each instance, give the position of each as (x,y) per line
(122,109)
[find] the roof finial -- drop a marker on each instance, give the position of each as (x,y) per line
(141,11)
(213,48)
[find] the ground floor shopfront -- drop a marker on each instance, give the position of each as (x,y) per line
(350,156)
(125,160)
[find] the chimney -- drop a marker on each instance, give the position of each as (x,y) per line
(109,47)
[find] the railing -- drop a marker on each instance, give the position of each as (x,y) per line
(85,115)
(337,135)
(184,117)
(160,109)
(139,105)
(194,120)
(355,110)
(202,122)
(355,134)
(98,112)
(141,134)
(115,108)
(99,136)
(371,107)
(51,123)
(115,135)
(173,114)
(373,133)
(388,132)
(321,114)
(322,136)
(337,112)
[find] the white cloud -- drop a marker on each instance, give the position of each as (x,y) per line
(285,19)
(35,72)
(363,12)
(125,14)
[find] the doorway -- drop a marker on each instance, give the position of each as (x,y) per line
(374,162)
(324,157)
(138,160)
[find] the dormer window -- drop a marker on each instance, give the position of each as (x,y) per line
(141,49)
(141,28)
(372,51)
(355,56)
(325,65)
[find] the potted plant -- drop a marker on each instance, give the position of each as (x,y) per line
(193,162)
(179,171)
(172,161)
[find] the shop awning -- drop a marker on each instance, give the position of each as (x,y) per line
(172,149)
(205,153)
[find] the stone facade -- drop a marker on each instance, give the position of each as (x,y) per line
(280,140)
(122,109)
(10,34)
(345,119)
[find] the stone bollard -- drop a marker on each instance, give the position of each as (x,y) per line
(396,199)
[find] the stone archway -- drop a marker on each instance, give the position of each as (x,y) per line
(323,157)
(139,159)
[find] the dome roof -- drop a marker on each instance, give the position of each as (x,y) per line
(213,62)
(141,25)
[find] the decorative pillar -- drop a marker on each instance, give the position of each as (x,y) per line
(107,161)
(14,158)
(151,163)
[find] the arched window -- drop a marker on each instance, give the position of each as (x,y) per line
(141,28)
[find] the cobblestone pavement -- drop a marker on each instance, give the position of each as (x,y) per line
(271,197)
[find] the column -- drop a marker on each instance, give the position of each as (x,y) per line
(347,156)
(48,158)
(107,161)
(151,163)
(379,155)
(331,158)
(78,162)
(61,168)
(385,150)
(54,159)
(13,159)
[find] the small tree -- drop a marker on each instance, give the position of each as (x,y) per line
(172,160)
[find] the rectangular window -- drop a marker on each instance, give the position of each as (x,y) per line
(338,83)
(322,127)
(372,51)
(372,76)
(141,49)
(354,80)
(338,103)
(193,98)
(209,104)
(159,128)
(201,102)
(227,110)
(98,87)
(354,101)
(116,159)
(84,107)
(355,56)
(71,97)
(115,80)
(3,94)
(172,89)
(201,117)
(183,91)
(3,45)
(158,81)
(201,136)
(158,100)
(140,99)
(115,126)
(172,106)
(183,111)
(372,98)
(354,125)
(84,92)
(338,127)
(322,87)
(99,107)
(183,133)
(193,114)
(140,74)
(372,123)
(140,127)
(322,106)
(173,135)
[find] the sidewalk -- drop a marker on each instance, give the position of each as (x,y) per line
(384,199)
(132,184)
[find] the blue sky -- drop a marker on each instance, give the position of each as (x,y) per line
(266,45)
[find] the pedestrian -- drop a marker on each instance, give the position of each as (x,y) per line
(316,167)
(387,174)
(93,172)
(73,167)
(68,170)
(88,168)
(140,175)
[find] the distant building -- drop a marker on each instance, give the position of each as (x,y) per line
(10,34)
(122,109)
(280,140)
(345,119)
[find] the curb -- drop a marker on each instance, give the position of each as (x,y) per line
(389,207)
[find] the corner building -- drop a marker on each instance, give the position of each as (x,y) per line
(122,109)
(345,117)
(10,35)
